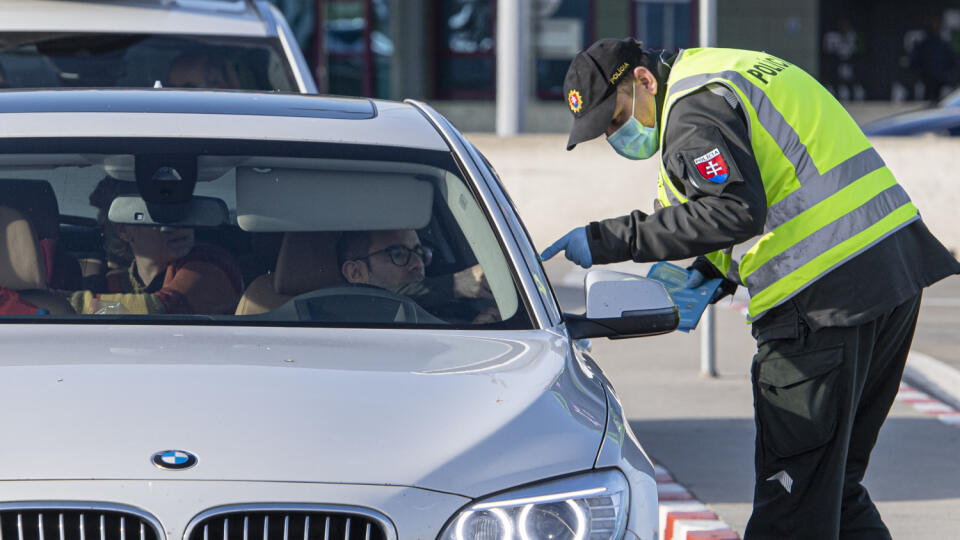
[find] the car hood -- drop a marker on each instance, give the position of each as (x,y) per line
(460,412)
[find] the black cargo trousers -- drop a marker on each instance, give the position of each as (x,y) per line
(819,401)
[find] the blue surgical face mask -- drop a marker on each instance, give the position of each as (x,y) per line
(634,140)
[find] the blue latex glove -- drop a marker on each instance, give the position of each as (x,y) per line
(695,278)
(574,246)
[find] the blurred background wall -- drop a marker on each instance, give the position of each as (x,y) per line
(877,56)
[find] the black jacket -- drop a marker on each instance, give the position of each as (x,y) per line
(720,215)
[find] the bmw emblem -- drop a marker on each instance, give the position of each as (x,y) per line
(174,459)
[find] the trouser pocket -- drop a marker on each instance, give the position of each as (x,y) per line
(797,398)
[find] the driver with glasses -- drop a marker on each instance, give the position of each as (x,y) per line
(391,260)
(395,260)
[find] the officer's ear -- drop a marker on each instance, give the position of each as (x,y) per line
(646,80)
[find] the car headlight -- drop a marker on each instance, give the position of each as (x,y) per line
(588,506)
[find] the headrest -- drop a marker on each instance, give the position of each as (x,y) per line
(21,261)
(307,261)
(36,200)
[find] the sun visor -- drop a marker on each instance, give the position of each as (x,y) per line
(271,199)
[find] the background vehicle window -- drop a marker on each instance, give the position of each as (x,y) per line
(39,60)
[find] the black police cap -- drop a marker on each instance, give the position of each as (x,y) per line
(590,86)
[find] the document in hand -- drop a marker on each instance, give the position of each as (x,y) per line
(690,302)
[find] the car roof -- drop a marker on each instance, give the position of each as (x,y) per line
(184,17)
(937,119)
(206,114)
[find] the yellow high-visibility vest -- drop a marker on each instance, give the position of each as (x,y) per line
(829,194)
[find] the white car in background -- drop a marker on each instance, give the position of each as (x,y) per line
(312,408)
(237,44)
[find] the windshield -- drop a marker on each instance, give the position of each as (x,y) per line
(45,60)
(248,233)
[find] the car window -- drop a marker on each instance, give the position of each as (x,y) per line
(325,235)
(534,265)
(44,60)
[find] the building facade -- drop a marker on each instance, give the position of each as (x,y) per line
(444,51)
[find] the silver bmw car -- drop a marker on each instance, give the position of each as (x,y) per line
(272,317)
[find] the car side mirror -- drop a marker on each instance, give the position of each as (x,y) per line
(622,305)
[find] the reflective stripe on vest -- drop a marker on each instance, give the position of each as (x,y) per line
(815,187)
(815,221)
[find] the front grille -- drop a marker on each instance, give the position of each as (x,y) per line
(290,523)
(41,521)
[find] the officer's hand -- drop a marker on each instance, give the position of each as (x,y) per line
(575,247)
(696,279)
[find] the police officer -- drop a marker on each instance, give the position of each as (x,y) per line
(754,152)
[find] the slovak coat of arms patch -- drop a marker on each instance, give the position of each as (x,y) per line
(712,166)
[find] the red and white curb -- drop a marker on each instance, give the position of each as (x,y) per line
(682,517)
(927,404)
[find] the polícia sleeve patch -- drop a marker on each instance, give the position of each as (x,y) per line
(709,165)
(712,167)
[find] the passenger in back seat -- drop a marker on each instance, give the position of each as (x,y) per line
(198,69)
(161,269)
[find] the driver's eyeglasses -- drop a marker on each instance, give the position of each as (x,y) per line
(400,255)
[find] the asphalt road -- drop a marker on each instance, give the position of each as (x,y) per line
(702,429)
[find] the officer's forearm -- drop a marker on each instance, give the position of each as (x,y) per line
(675,232)
(611,240)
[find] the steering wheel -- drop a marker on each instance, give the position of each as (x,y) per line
(356,303)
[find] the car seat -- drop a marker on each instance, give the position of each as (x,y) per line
(307,261)
(22,266)
(35,199)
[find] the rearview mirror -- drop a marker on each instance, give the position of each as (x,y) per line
(197,212)
(622,305)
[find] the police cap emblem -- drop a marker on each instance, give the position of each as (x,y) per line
(575,101)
